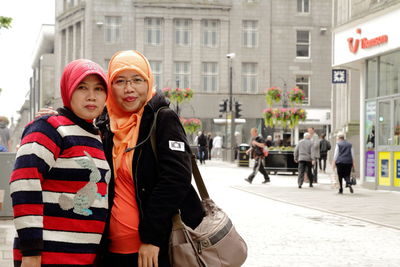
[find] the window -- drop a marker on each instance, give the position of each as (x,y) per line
(303,44)
(78,40)
(384,123)
(112,29)
(389,74)
(153,31)
(210,32)
(183,32)
(250,33)
(303,6)
(303,82)
(209,76)
(156,67)
(182,74)
(372,77)
(249,77)
(396,137)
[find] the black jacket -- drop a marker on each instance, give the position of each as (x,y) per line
(163,188)
(257,151)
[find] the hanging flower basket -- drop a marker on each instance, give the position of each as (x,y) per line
(296,115)
(273,95)
(178,94)
(268,114)
(296,96)
(191,125)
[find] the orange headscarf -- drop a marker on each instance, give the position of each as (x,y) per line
(125,125)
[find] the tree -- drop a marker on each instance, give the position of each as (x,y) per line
(5,22)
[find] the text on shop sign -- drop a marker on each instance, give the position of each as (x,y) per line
(365,42)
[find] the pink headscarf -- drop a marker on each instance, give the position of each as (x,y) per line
(74,73)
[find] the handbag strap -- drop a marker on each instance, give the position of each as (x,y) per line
(201,187)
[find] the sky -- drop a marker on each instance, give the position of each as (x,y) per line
(16,49)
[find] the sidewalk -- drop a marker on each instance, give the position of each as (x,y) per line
(374,206)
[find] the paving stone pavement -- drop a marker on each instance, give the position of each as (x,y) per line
(284,233)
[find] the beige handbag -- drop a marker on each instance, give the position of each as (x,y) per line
(215,242)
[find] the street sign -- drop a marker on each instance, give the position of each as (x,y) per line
(339,76)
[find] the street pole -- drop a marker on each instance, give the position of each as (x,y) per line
(232,133)
(177,104)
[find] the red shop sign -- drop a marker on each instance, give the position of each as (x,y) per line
(365,43)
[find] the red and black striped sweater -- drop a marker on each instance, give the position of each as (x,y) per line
(59,191)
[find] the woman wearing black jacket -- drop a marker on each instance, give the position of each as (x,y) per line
(146,190)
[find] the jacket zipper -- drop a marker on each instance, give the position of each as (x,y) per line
(136,184)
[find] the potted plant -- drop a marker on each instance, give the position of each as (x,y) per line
(178,95)
(268,114)
(191,125)
(273,95)
(296,115)
(295,96)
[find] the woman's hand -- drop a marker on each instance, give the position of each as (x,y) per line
(46,111)
(148,255)
(31,261)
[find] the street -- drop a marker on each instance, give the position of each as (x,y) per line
(280,234)
(283,234)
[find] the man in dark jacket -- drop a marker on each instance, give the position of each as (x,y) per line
(202,143)
(324,147)
(257,149)
(163,181)
(210,145)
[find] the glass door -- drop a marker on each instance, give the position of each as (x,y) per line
(384,142)
(396,143)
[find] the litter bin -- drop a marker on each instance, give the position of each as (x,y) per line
(244,159)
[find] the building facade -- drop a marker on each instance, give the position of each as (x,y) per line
(366,44)
(42,83)
(283,43)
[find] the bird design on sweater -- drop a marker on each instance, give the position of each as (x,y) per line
(85,197)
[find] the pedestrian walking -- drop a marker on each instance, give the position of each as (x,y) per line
(5,142)
(146,190)
(315,148)
(59,182)
(209,145)
(303,155)
(257,145)
(324,147)
(343,160)
(202,146)
(217,146)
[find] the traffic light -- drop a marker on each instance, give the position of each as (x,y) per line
(237,109)
(223,105)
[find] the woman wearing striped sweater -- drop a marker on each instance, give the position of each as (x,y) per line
(59,183)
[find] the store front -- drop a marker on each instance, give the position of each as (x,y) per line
(373,47)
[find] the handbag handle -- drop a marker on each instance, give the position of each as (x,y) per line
(201,187)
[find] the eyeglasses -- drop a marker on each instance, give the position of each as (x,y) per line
(122,83)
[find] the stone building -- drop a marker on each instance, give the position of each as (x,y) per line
(276,43)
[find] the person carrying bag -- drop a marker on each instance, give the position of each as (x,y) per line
(214,242)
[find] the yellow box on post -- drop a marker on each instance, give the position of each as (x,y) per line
(384,168)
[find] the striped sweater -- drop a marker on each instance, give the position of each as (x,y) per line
(59,191)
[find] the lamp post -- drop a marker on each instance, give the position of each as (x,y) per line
(230,56)
(284,99)
(177,104)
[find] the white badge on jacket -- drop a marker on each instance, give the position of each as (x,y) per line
(176,145)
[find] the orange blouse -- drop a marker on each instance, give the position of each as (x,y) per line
(124,222)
